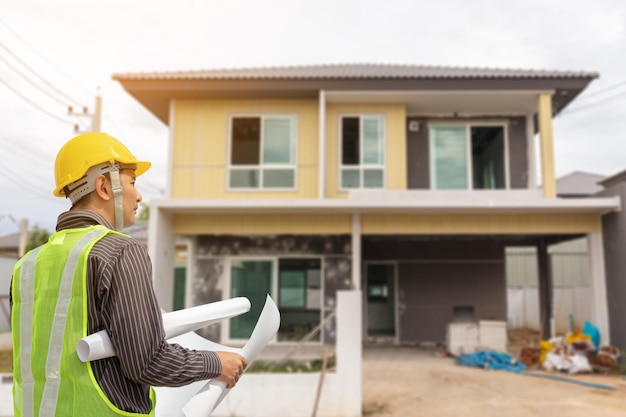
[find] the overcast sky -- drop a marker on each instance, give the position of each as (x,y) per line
(59,52)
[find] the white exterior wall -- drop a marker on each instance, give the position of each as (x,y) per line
(293,395)
(579,286)
(523,307)
(572,293)
(6,270)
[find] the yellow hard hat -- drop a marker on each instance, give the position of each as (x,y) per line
(86,151)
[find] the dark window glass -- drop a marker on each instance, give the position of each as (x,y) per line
(350,154)
(488,157)
(246,136)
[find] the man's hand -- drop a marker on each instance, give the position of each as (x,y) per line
(233,365)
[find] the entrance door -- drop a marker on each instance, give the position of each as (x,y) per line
(180,278)
(251,279)
(381,299)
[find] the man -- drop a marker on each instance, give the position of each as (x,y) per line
(89,277)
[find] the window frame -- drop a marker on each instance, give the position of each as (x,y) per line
(361,167)
(468,152)
(262,167)
(274,291)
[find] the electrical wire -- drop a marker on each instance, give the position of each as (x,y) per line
(68,99)
(29,152)
(605,100)
(24,158)
(581,103)
(25,184)
(35,157)
(17,35)
(604,90)
(32,103)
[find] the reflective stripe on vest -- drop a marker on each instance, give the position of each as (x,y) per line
(27,294)
(50,304)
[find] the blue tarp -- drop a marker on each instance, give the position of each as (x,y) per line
(490,360)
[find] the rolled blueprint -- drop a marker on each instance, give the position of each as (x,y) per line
(98,345)
(199,399)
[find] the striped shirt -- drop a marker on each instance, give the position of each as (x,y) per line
(122,301)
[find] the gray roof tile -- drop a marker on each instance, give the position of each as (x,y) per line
(353,71)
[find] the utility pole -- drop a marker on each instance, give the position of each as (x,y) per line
(96,120)
(96,116)
(23,237)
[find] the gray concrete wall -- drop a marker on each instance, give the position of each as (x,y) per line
(436,274)
(429,293)
(614,240)
(214,251)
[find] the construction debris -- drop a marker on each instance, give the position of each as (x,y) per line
(575,353)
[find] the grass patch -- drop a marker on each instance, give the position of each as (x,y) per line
(291,366)
(6,361)
(374,408)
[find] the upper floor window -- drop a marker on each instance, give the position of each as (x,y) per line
(467,157)
(362,152)
(262,152)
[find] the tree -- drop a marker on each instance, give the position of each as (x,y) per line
(36,237)
(144,212)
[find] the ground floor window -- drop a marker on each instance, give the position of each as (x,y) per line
(295,285)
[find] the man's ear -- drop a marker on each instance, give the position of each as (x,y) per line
(102,188)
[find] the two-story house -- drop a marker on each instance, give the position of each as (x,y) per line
(405,182)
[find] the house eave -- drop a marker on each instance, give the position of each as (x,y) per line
(598,206)
(156,92)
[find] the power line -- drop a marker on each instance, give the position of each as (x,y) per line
(24,184)
(604,90)
(32,103)
(27,152)
(34,157)
(17,35)
(42,79)
(588,106)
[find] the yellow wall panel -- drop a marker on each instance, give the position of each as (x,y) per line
(395,143)
(480,223)
(201,143)
(262,224)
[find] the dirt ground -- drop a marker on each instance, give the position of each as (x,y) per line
(412,382)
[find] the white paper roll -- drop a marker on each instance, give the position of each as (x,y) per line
(200,398)
(213,392)
(98,345)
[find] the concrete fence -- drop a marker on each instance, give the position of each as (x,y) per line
(294,395)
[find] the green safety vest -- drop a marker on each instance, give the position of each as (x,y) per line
(48,318)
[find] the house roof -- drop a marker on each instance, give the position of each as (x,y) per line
(465,89)
(10,241)
(353,71)
(579,183)
(614,179)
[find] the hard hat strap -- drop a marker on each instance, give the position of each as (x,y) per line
(117,197)
(80,188)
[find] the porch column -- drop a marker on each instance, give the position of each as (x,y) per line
(545,290)
(544,117)
(356,251)
(192,251)
(161,251)
(321,164)
(531,155)
(599,308)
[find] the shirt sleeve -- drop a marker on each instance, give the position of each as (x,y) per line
(135,327)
